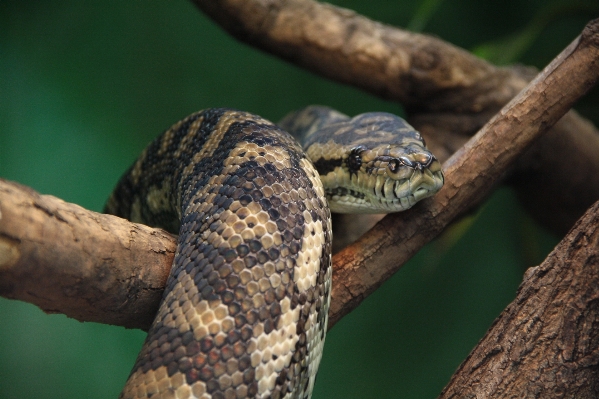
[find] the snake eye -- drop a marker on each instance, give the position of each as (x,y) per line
(354,161)
(393,165)
(406,161)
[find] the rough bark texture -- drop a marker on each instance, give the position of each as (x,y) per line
(89,266)
(449,93)
(545,344)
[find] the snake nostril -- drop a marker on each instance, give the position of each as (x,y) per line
(425,159)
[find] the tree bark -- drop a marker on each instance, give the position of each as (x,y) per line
(89,266)
(545,344)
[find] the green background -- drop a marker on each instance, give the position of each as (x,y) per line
(84,86)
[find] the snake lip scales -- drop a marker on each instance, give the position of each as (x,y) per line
(245,308)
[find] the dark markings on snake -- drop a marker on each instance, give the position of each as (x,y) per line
(324,166)
(235,316)
(245,307)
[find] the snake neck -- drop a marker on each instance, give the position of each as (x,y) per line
(304,123)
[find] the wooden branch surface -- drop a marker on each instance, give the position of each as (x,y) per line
(414,69)
(89,266)
(66,259)
(545,344)
(449,92)
(470,174)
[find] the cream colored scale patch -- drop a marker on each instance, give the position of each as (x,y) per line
(306,271)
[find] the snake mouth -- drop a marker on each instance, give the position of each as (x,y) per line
(381,194)
(399,195)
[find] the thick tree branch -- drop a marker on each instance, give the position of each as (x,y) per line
(414,69)
(86,265)
(450,93)
(545,344)
(89,266)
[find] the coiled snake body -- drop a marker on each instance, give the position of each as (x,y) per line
(244,313)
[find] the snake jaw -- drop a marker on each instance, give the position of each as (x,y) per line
(381,186)
(386,196)
(390,179)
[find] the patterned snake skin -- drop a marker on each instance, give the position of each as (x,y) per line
(244,313)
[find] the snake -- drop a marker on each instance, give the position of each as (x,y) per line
(245,309)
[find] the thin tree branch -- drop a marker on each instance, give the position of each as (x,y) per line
(66,259)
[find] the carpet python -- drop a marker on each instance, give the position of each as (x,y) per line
(244,312)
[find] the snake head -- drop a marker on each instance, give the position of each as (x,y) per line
(375,163)
(394,177)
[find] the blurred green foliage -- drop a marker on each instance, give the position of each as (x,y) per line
(84,86)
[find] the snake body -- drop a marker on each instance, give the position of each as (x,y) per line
(244,312)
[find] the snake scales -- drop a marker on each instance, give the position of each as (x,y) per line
(244,312)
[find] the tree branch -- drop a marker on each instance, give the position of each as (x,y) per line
(89,266)
(413,69)
(545,344)
(449,92)
(470,174)
(66,259)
